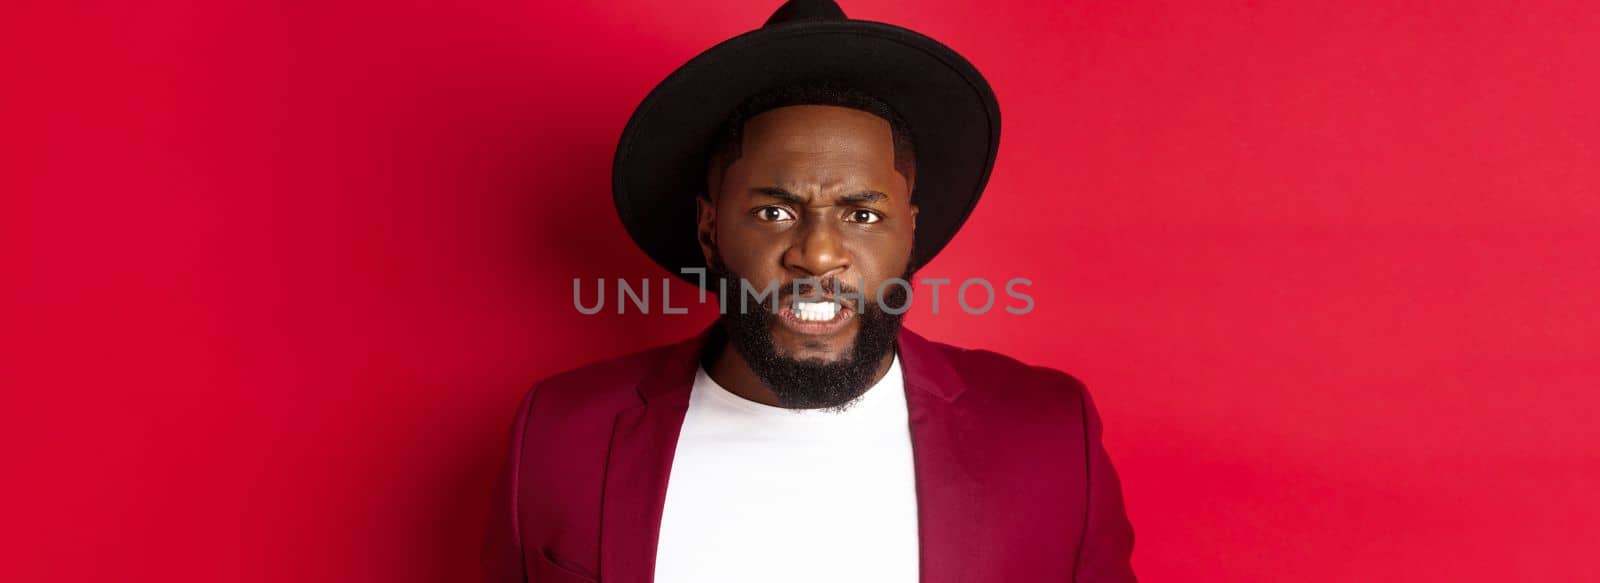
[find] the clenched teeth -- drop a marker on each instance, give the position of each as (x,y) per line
(816,311)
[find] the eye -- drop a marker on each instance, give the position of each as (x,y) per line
(862,216)
(773,214)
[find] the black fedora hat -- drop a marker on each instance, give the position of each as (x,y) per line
(946,105)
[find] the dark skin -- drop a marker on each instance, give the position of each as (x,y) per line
(814,194)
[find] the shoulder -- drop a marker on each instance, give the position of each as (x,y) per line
(997,366)
(1010,384)
(602,386)
(982,367)
(626,369)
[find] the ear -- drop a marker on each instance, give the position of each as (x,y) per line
(911,191)
(706,229)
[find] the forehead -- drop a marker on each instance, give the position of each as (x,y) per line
(818,144)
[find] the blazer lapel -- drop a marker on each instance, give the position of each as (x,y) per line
(643,440)
(950,497)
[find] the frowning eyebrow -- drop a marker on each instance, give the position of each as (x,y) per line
(865,196)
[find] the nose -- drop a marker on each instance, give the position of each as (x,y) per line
(818,251)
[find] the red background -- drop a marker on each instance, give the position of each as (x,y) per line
(276,275)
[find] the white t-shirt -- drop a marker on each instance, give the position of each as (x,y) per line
(765,494)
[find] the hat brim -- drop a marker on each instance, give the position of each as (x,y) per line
(949,108)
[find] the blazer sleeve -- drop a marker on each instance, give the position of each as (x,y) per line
(502,556)
(1106,548)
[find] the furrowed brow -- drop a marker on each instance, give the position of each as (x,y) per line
(863,197)
(778,193)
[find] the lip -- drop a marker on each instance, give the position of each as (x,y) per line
(840,320)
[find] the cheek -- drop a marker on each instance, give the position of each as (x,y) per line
(894,245)
(880,260)
(749,250)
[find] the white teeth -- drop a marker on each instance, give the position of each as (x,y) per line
(816,311)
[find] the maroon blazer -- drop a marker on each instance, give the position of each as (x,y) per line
(1013,484)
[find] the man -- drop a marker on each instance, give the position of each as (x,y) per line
(808,436)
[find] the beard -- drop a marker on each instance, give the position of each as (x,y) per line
(811,383)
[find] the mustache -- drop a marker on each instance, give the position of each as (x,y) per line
(827,285)
(839,289)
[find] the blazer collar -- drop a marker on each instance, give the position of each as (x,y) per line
(674,373)
(926,367)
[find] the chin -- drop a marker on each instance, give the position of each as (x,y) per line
(832,349)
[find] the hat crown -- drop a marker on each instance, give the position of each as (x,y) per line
(660,164)
(796,10)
